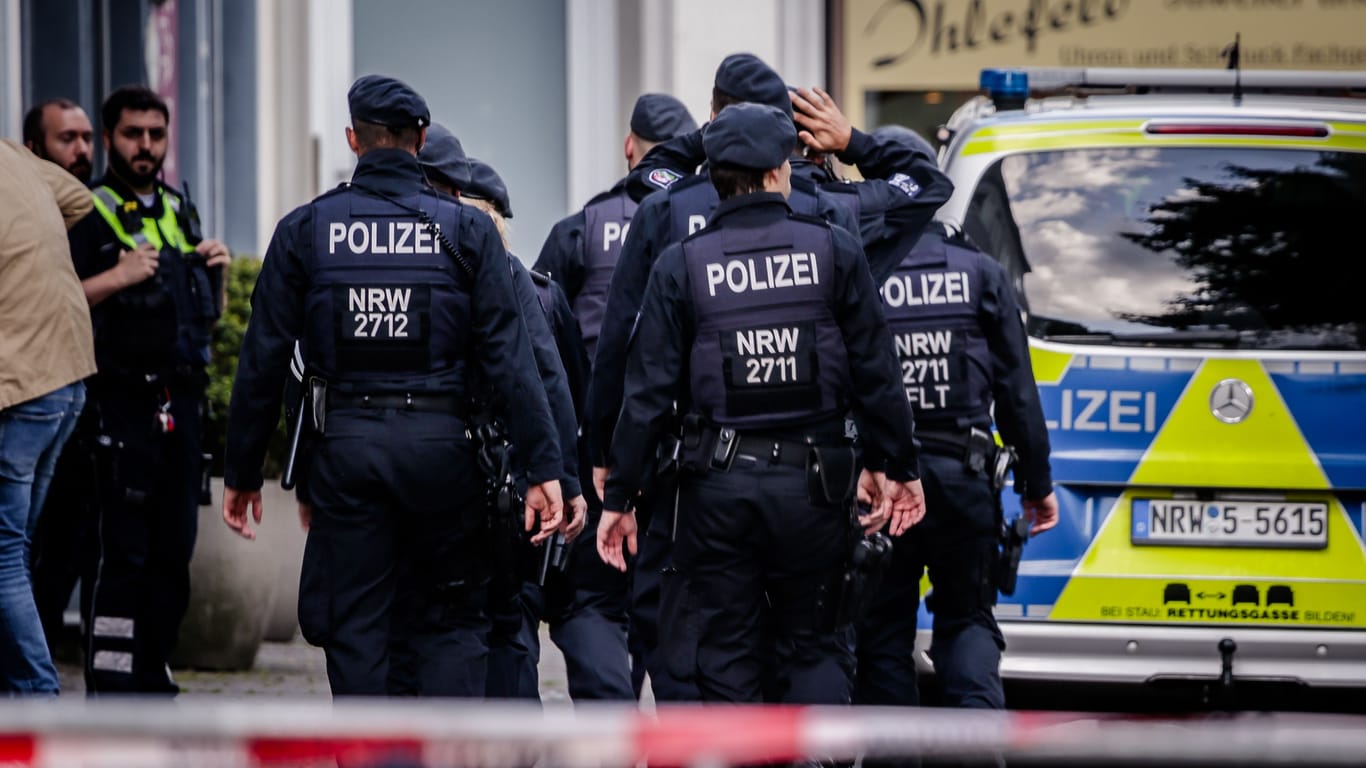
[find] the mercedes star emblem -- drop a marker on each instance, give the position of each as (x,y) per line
(1231,401)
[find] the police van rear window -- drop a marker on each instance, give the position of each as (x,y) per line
(1238,247)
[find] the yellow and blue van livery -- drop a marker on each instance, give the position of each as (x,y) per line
(1183,244)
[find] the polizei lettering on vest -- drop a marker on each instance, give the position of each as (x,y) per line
(614,232)
(374,237)
(781,270)
(930,288)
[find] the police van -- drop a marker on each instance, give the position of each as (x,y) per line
(1186,245)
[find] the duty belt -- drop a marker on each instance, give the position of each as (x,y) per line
(402,402)
(768,450)
(719,453)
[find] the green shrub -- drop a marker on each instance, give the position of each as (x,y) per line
(227,341)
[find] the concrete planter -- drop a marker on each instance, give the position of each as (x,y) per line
(287,538)
(233,584)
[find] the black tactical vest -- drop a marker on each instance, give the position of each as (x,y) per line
(767,351)
(166,321)
(691,202)
(607,220)
(388,310)
(931,302)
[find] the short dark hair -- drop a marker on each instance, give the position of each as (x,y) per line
(33,120)
(720,100)
(731,180)
(138,98)
(371,135)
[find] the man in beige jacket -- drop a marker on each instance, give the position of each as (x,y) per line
(46,351)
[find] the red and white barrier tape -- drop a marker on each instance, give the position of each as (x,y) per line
(111,733)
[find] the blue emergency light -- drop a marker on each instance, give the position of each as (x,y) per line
(1008,88)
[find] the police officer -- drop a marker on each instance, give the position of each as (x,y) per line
(154,285)
(663,218)
(901,189)
(399,297)
(763,328)
(581,250)
(964,359)
(581,253)
(517,605)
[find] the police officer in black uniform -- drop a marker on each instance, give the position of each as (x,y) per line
(154,284)
(581,250)
(764,329)
(663,218)
(517,602)
(400,297)
(964,358)
(901,189)
(581,254)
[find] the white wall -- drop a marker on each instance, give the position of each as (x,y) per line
(495,74)
(619,49)
(11,75)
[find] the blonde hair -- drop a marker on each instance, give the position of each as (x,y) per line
(489,208)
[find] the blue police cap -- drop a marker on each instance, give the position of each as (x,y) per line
(747,78)
(659,116)
(755,136)
(486,184)
(904,135)
(386,101)
(444,157)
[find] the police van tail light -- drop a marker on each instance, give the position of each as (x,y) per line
(1290,130)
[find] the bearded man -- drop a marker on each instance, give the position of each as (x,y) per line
(154,287)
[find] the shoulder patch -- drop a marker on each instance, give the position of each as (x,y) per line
(905,183)
(663,177)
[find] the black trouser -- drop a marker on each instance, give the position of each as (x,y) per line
(958,543)
(748,535)
(585,606)
(148,520)
(657,596)
(395,541)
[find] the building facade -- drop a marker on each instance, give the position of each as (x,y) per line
(542,89)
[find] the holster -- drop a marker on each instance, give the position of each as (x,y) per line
(317,401)
(554,558)
(981,454)
(831,472)
(1013,538)
(868,561)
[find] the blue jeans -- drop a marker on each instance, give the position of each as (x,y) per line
(31,437)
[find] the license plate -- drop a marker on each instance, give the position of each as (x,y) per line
(1297,525)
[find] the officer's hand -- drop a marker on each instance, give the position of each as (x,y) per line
(600,480)
(305,516)
(1042,514)
(827,129)
(906,502)
(137,265)
(543,501)
(578,518)
(214,252)
(613,529)
(235,506)
(870,494)
(869,487)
